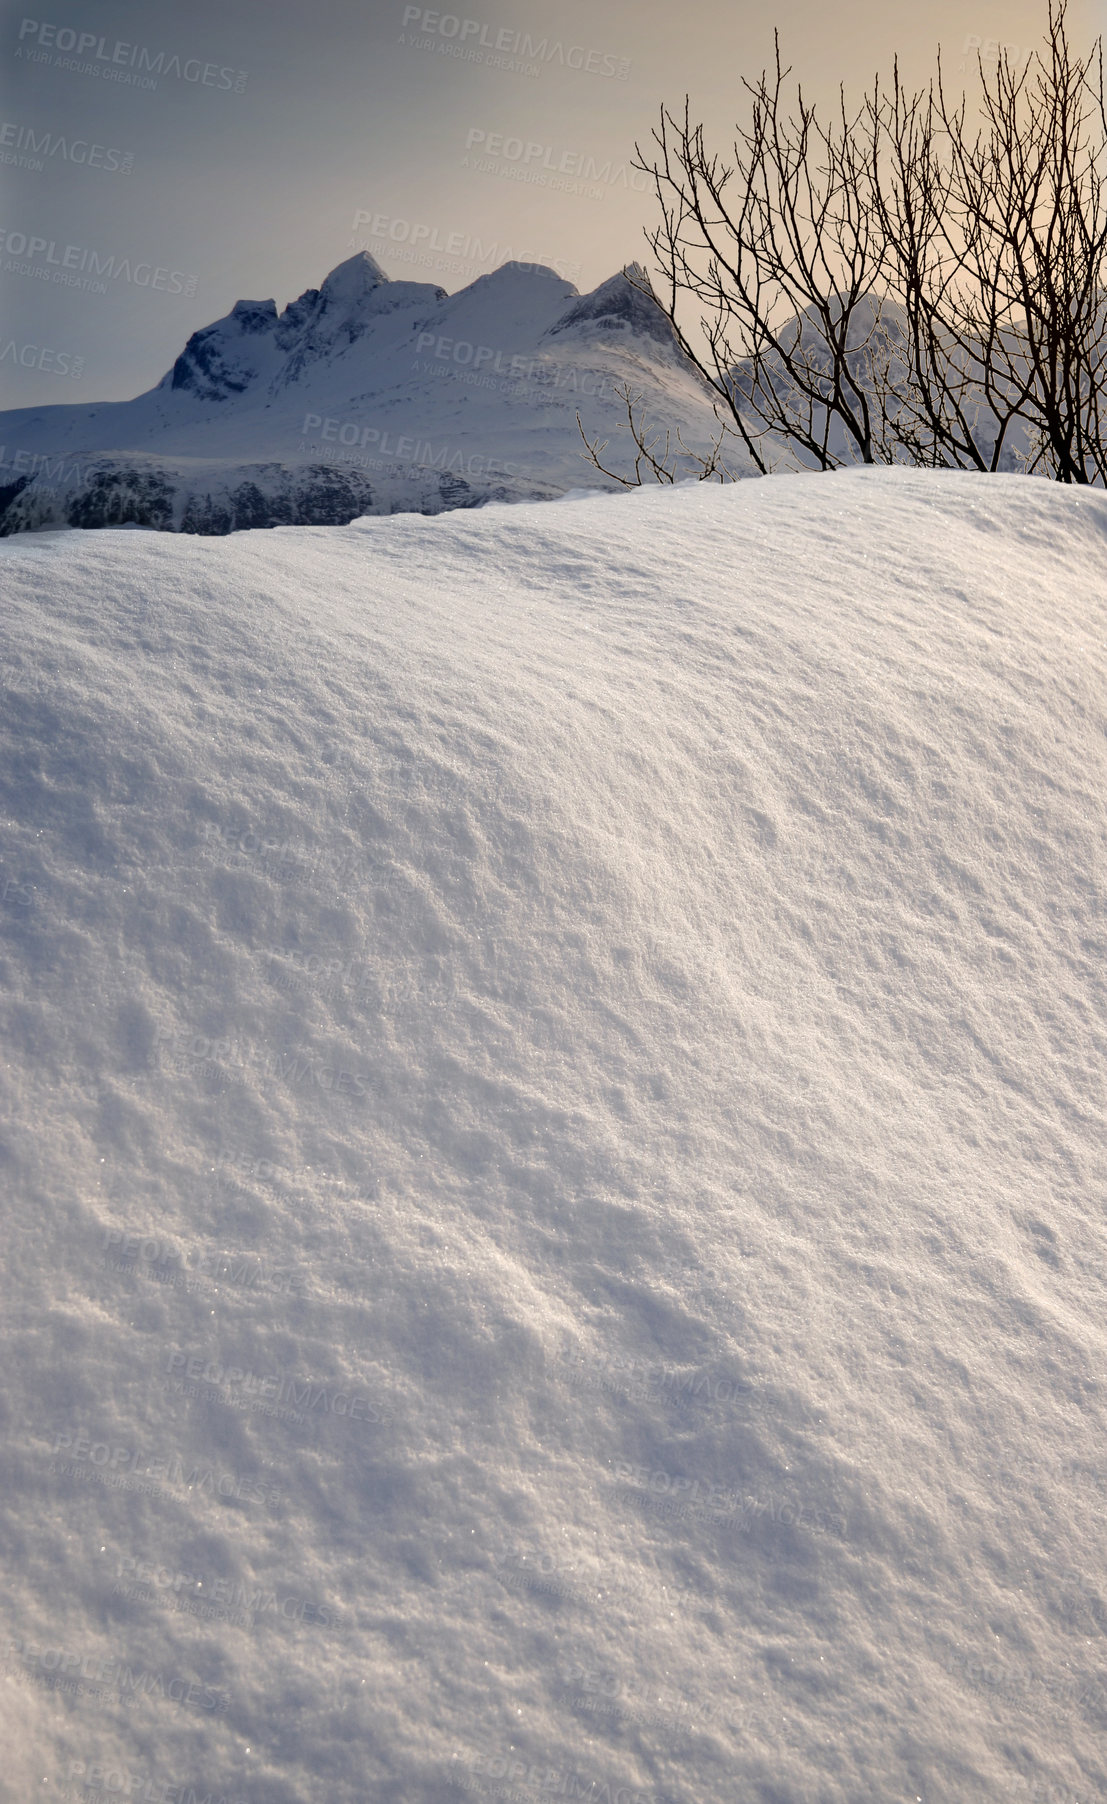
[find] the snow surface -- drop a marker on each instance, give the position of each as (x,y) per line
(593,1017)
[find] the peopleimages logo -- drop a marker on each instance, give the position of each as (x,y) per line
(474,35)
(145,1787)
(486,366)
(118,62)
(105,1669)
(552,1781)
(36,145)
(990,50)
(119,1468)
(409,453)
(141,1580)
(77,267)
(54,473)
(276,1387)
(419,241)
(529,161)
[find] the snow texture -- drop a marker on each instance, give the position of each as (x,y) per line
(555,1229)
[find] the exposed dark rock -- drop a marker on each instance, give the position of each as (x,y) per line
(328,497)
(7,495)
(211,519)
(123,498)
(618,306)
(255,316)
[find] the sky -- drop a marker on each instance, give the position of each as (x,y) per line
(226,149)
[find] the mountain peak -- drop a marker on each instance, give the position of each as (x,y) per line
(514,270)
(620,305)
(350,280)
(254,316)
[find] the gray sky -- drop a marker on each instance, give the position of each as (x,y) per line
(267,142)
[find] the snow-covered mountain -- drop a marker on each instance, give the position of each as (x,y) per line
(879,365)
(364,396)
(554,1151)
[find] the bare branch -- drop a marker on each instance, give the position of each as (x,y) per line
(893,284)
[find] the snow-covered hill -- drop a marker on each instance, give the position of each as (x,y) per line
(554,1225)
(365,396)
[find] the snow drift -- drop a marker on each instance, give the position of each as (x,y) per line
(555,1234)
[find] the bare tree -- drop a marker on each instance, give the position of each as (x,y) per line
(667,465)
(888,288)
(779,250)
(1029,206)
(931,412)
